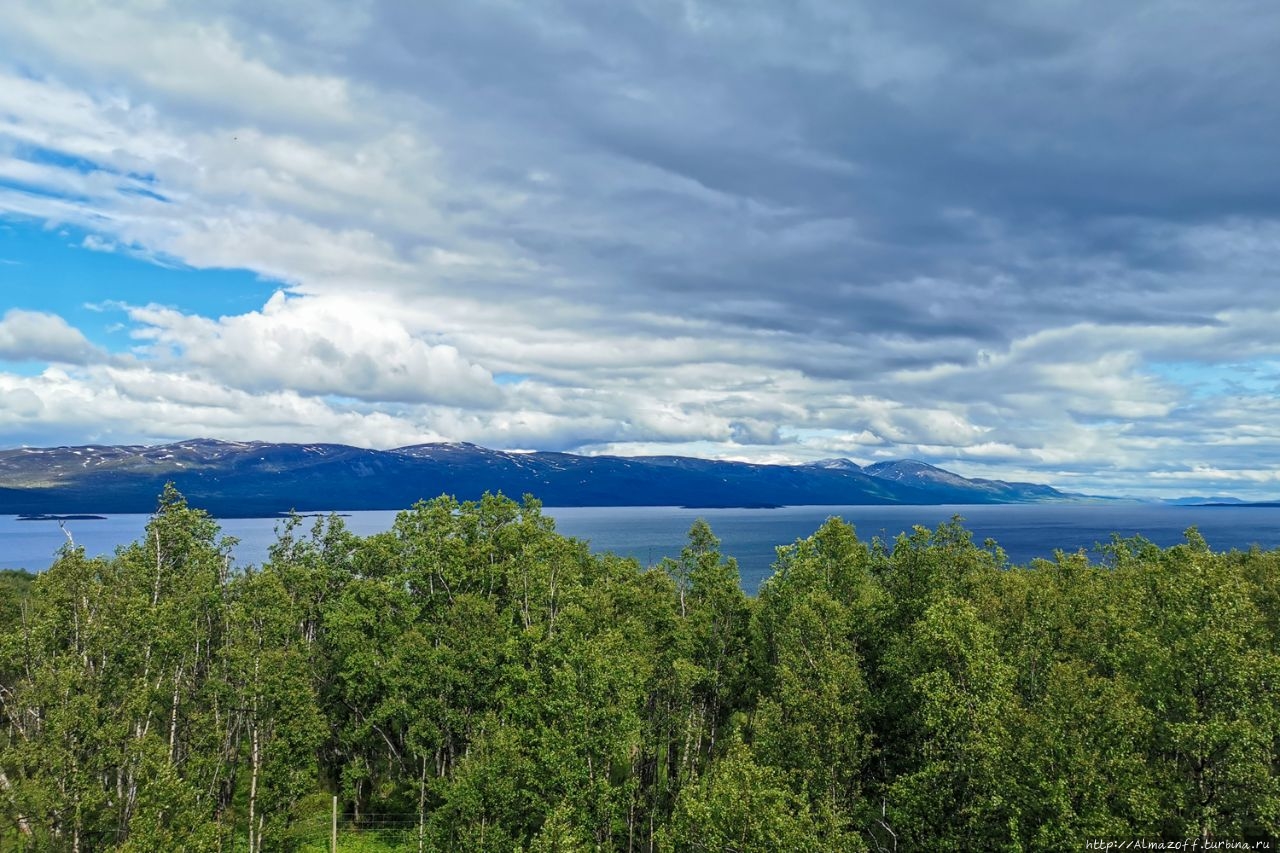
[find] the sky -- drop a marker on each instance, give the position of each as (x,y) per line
(1034,241)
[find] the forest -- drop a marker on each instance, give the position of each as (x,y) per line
(472,680)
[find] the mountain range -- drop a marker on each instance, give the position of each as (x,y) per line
(259,478)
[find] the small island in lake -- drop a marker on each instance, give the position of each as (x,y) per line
(46,517)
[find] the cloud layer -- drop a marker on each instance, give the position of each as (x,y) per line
(1036,242)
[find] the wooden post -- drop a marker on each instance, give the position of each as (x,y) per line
(333,830)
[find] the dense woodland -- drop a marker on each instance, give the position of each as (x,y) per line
(471,680)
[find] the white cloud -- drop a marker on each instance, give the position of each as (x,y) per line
(333,346)
(37,336)
(189,62)
(122,405)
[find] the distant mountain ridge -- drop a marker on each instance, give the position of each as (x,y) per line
(260,478)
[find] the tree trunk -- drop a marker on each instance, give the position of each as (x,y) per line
(255,759)
(422,805)
(256,763)
(24,825)
(173,716)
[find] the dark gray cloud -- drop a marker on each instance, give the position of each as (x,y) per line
(969,170)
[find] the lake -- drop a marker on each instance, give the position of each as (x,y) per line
(1025,531)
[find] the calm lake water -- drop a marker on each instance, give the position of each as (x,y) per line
(1024,531)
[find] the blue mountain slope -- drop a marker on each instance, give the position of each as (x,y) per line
(257,478)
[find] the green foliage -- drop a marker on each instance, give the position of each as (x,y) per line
(741,806)
(470,679)
(15,589)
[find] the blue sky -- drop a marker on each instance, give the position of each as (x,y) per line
(49,269)
(1027,241)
